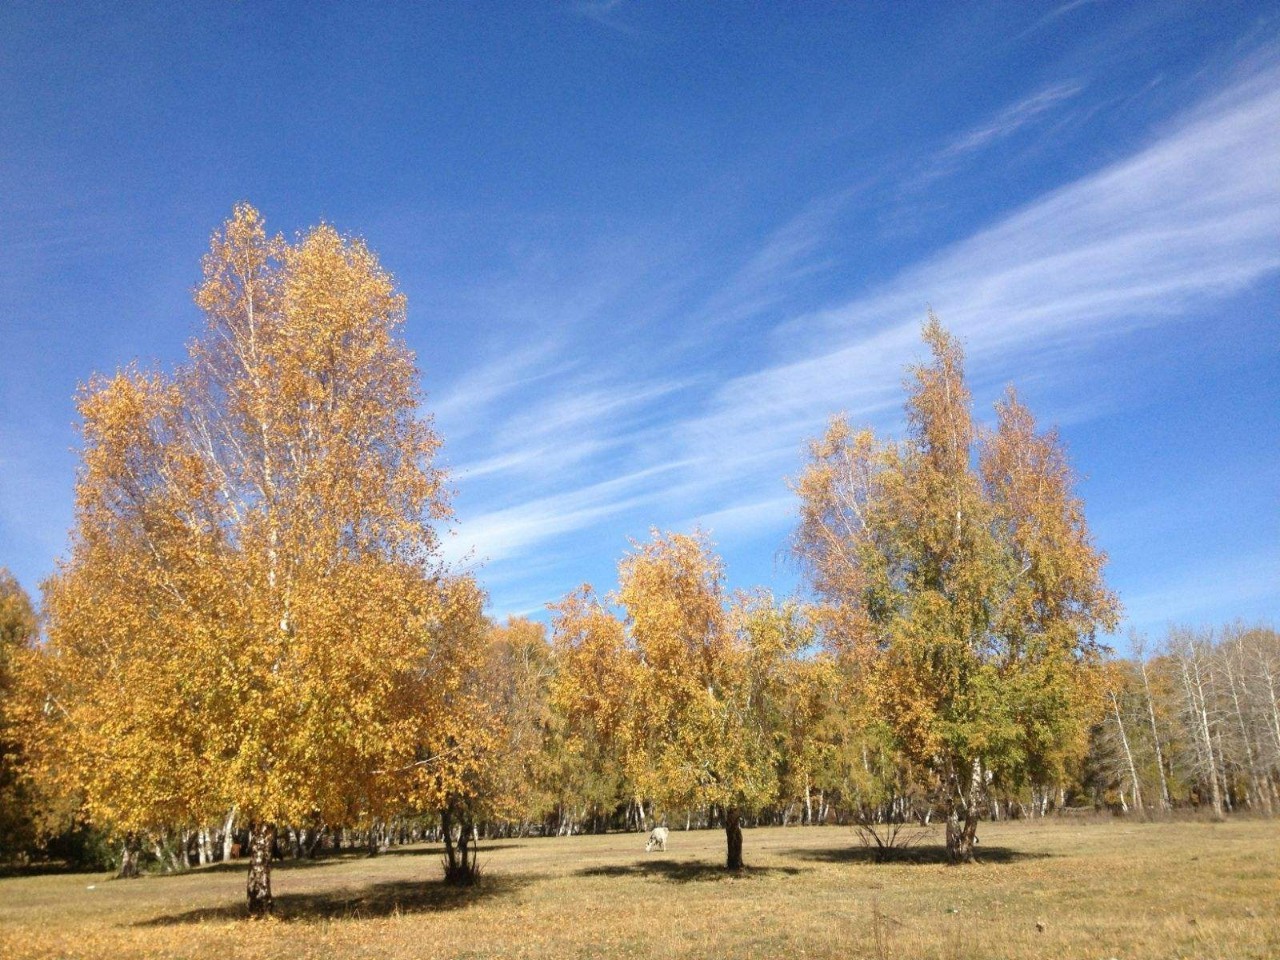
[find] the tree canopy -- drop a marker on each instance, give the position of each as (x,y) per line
(960,577)
(683,684)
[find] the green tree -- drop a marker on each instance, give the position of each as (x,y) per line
(963,576)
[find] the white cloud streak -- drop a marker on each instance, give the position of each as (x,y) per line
(1193,594)
(508,532)
(1011,119)
(1057,12)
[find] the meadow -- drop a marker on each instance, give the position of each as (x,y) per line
(1089,888)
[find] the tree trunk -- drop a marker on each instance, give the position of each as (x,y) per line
(228,834)
(1225,792)
(446,835)
(174,856)
(962,820)
(262,841)
(460,853)
(1275,704)
(1189,662)
(1166,802)
(129,852)
(962,835)
(316,838)
(1215,791)
(1255,795)
(1128,756)
(733,837)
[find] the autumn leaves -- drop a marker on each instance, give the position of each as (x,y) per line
(254,616)
(960,590)
(952,641)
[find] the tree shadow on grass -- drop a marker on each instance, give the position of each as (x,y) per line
(437,849)
(241,865)
(48,868)
(384,899)
(329,858)
(151,871)
(919,855)
(687,871)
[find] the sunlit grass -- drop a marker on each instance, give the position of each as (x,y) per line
(1094,889)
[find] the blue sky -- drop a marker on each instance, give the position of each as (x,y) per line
(650,248)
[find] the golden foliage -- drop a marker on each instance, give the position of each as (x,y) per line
(20,807)
(252,614)
(680,688)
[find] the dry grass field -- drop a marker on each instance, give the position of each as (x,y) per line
(1061,889)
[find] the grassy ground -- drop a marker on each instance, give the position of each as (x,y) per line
(1089,889)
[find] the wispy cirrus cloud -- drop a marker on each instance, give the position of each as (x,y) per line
(1194,216)
(1011,119)
(1057,13)
(584,419)
(607,13)
(1241,582)
(793,252)
(508,532)
(750,517)
(1005,124)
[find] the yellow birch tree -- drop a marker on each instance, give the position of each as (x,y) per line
(250,612)
(18,633)
(682,687)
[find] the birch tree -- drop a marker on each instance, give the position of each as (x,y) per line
(18,632)
(1260,648)
(248,613)
(1200,719)
(1117,695)
(962,572)
(1242,661)
(679,689)
(1190,651)
(1149,702)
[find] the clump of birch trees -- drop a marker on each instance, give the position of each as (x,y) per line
(1193,721)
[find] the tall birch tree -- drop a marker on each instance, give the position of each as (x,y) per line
(961,571)
(247,615)
(18,631)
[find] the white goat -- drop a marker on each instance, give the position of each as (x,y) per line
(657,838)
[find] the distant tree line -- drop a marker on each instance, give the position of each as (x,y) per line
(1193,722)
(254,649)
